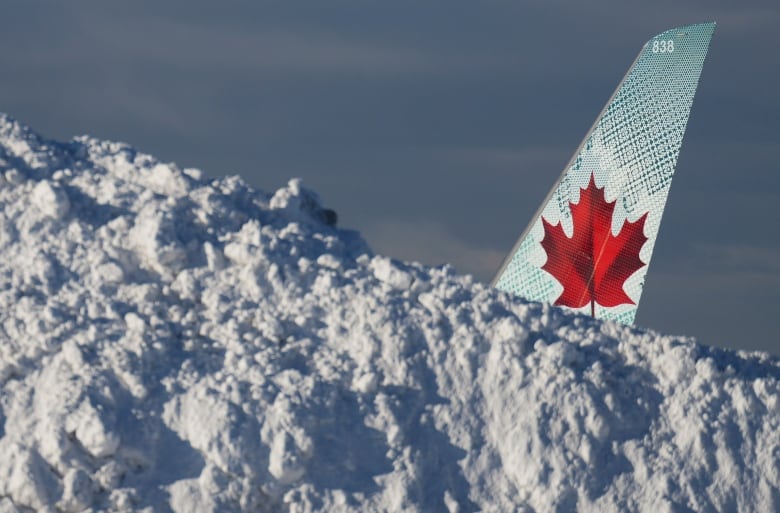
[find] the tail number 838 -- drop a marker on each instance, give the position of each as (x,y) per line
(663,46)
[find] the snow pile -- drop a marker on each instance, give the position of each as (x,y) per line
(172,343)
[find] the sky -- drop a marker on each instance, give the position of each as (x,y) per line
(433,128)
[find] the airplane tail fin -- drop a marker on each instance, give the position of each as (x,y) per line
(589,244)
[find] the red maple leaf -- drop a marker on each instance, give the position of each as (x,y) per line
(593,264)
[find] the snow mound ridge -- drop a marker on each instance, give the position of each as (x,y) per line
(174,343)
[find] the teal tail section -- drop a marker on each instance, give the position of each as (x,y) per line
(589,245)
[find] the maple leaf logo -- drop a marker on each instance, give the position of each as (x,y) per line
(593,264)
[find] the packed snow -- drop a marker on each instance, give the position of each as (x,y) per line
(171,342)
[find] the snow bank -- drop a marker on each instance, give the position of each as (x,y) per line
(173,343)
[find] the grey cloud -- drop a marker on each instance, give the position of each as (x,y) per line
(431,243)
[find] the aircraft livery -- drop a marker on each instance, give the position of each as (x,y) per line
(589,245)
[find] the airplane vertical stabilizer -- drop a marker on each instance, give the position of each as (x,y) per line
(589,245)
